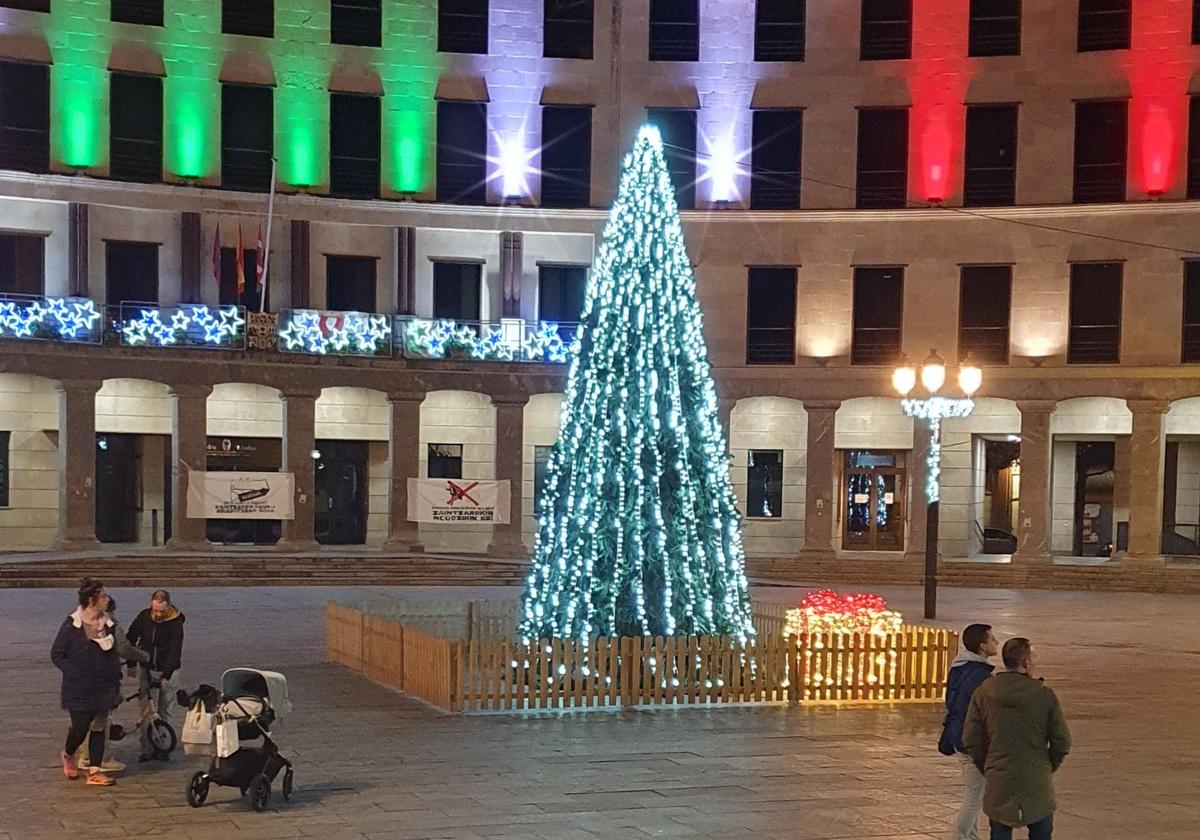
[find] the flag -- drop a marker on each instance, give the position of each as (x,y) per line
(241,268)
(260,264)
(216,256)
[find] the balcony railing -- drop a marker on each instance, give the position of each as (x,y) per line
(334,333)
(185,325)
(510,340)
(75,320)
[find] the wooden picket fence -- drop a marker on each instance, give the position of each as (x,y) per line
(502,675)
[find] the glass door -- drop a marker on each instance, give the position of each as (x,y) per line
(874,501)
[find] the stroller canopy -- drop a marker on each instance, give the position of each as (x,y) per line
(270,685)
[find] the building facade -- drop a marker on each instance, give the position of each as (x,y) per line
(1011,182)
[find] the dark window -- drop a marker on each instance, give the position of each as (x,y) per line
(27,5)
(775,160)
(1193,149)
(678,129)
(995,27)
(566,156)
(5,441)
(22,264)
(356,22)
(771,315)
(984,303)
(1095,331)
(764,484)
(145,12)
(1196,21)
(878,314)
(541,468)
(886,30)
(445,460)
(882,157)
(567,28)
(463,26)
(1100,136)
(131,272)
(561,290)
(462,152)
(350,284)
(247,137)
(456,291)
(1104,25)
(1191,311)
(248,17)
(354,145)
(674,30)
(779,30)
(136,127)
(249,297)
(25,117)
(990,176)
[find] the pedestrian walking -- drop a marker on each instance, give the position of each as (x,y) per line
(128,653)
(157,630)
(1017,736)
(967,672)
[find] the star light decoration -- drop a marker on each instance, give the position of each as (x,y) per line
(334,333)
(65,319)
(440,339)
(186,326)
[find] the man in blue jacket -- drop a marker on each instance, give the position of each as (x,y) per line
(968,670)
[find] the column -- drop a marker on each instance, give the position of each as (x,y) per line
(512,249)
(299,440)
(510,448)
(191,245)
(405,451)
(77,463)
(406,271)
(77,249)
(820,509)
(189,451)
(918,511)
(1033,516)
(1147,449)
(301,275)
(725,415)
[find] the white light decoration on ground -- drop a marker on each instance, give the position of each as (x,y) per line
(188,325)
(511,340)
(334,333)
(61,319)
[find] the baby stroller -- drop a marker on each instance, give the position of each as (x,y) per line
(255,700)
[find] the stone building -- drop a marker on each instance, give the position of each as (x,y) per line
(1005,181)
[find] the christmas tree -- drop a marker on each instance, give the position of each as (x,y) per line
(638,533)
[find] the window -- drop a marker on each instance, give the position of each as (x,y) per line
(878,315)
(27,5)
(886,30)
(456,291)
(1196,21)
(882,157)
(247,137)
(566,156)
(131,272)
(145,12)
(779,30)
(561,290)
(356,22)
(995,28)
(985,293)
(990,176)
(248,17)
(350,284)
(541,468)
(135,127)
(445,460)
(229,296)
(1095,330)
(1191,311)
(771,315)
(678,129)
(764,484)
(5,441)
(463,26)
(22,264)
(1193,149)
(1104,25)
(567,28)
(775,160)
(354,145)
(25,117)
(674,30)
(1100,136)
(462,152)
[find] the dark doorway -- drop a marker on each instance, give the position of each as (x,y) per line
(350,284)
(1094,479)
(118,467)
(131,272)
(341,494)
(244,455)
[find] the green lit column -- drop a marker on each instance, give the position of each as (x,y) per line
(80,40)
(302,67)
(409,67)
(192,53)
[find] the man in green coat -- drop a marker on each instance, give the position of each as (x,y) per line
(1017,736)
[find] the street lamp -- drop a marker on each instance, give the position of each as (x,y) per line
(933,410)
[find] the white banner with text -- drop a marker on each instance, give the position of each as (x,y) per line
(241,495)
(458,500)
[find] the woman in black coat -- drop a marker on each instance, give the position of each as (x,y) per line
(85,650)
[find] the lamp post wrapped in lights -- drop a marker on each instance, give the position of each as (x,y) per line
(933,410)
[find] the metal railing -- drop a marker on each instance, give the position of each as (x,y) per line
(508,340)
(193,325)
(37,318)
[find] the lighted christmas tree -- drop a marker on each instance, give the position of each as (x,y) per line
(638,529)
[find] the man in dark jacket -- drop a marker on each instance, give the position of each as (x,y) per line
(1016,734)
(158,631)
(968,670)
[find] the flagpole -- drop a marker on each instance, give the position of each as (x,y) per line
(262,299)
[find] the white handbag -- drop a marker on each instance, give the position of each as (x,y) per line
(227,738)
(198,725)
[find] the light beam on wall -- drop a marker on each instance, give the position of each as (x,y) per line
(722,166)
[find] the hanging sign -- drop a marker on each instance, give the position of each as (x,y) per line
(241,495)
(458,500)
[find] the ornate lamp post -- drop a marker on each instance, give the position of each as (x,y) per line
(933,409)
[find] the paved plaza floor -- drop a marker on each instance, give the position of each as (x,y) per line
(371,764)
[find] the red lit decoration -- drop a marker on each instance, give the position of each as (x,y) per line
(1159,65)
(827,611)
(937,81)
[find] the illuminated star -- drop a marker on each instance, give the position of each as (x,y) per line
(231,322)
(180,321)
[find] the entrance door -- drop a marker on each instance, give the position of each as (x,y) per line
(117,471)
(341,492)
(874,494)
(1094,479)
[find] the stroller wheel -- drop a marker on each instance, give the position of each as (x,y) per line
(260,792)
(286,788)
(162,736)
(197,790)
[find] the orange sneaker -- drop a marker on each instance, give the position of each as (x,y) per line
(97,778)
(70,768)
